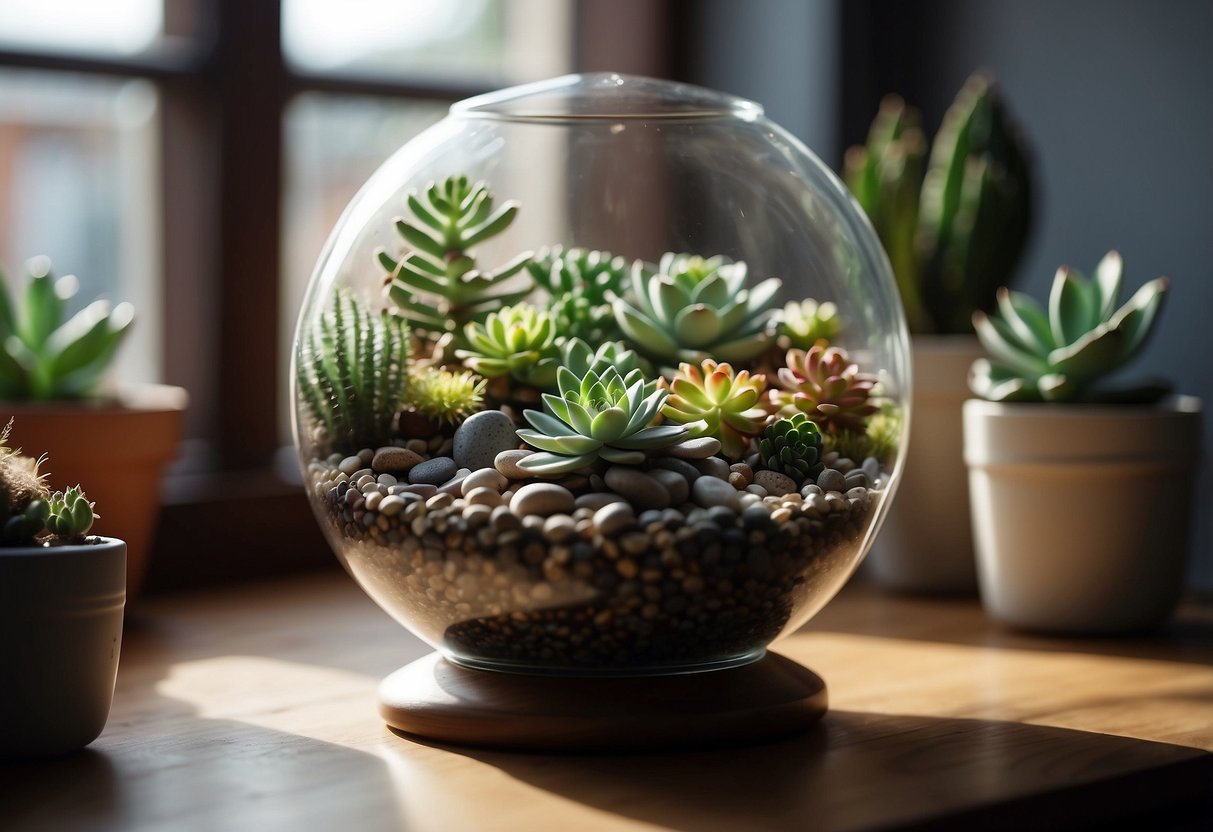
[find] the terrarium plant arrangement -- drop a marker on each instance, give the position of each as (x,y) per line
(578,459)
(954,217)
(61,603)
(55,362)
(1081,489)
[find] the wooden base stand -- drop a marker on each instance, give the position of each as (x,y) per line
(437,700)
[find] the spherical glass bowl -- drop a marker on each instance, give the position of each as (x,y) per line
(601,375)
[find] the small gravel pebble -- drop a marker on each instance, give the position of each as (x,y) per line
(709,492)
(349,465)
(713,467)
(871,467)
(755,489)
(775,482)
(391,505)
(856,479)
(484,478)
(395,460)
(481,437)
(559,528)
(640,489)
(701,448)
(831,480)
(597,500)
(541,498)
(484,496)
(679,466)
(676,484)
(506,463)
(614,518)
(433,471)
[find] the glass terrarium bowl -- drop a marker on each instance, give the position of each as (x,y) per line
(563,400)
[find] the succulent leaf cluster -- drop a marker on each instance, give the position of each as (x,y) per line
(954,223)
(692,308)
(70,514)
(436,286)
(713,400)
(46,355)
(352,372)
(28,511)
(579,359)
(1059,354)
(580,283)
(519,340)
(446,396)
(599,416)
(880,440)
(826,386)
(792,446)
(807,323)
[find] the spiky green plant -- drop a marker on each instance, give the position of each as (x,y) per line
(580,283)
(446,396)
(599,416)
(955,226)
(792,446)
(881,439)
(827,387)
(1059,355)
(519,340)
(577,356)
(71,515)
(43,353)
(808,322)
(437,286)
(23,493)
(351,372)
(713,400)
(692,308)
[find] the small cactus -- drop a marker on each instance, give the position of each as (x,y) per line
(70,515)
(792,446)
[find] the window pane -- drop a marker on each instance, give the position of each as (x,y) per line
(115,26)
(473,41)
(79,183)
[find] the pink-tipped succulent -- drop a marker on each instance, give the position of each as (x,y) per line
(713,400)
(826,386)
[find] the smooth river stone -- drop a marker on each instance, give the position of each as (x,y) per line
(709,492)
(506,464)
(641,490)
(831,480)
(775,482)
(481,437)
(541,498)
(434,471)
(674,483)
(395,460)
(612,519)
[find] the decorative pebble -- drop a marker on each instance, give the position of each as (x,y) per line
(349,465)
(638,487)
(559,528)
(674,483)
(856,479)
(484,478)
(679,466)
(713,466)
(433,471)
(831,480)
(541,498)
(395,460)
(484,496)
(392,505)
(775,482)
(701,448)
(871,467)
(614,518)
(757,489)
(454,486)
(481,437)
(598,500)
(506,463)
(709,491)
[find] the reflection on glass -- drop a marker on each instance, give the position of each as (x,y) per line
(119,27)
(79,183)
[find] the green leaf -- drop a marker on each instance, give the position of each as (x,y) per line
(44,310)
(422,213)
(1108,276)
(696,327)
(609,424)
(569,444)
(1137,317)
(620,456)
(494,226)
(1068,311)
(549,464)
(997,338)
(546,423)
(641,331)
(1096,353)
(420,240)
(655,437)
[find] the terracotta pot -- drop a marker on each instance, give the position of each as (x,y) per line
(1081,513)
(60,634)
(926,544)
(117,450)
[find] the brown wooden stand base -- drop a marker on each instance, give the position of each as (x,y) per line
(437,700)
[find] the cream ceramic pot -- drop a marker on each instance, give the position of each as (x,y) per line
(1081,512)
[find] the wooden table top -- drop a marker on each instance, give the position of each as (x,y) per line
(254,709)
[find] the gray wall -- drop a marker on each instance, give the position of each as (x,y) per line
(1117,99)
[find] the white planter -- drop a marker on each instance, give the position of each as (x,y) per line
(1081,512)
(60,633)
(926,544)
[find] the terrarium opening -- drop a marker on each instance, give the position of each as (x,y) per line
(607,96)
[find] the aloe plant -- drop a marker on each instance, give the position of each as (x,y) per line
(955,224)
(713,400)
(436,286)
(1060,354)
(46,355)
(599,416)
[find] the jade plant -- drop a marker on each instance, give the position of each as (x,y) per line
(693,308)
(518,340)
(44,353)
(713,400)
(792,446)
(580,283)
(955,220)
(807,323)
(352,372)
(598,416)
(826,386)
(437,286)
(1060,355)
(29,514)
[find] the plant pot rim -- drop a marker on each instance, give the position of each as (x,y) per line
(142,398)
(103,544)
(1173,404)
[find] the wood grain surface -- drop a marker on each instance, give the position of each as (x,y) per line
(255,709)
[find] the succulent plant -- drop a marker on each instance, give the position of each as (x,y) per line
(70,515)
(580,283)
(352,372)
(792,446)
(436,286)
(519,340)
(713,400)
(693,308)
(1059,355)
(446,396)
(598,416)
(580,359)
(880,441)
(955,226)
(46,355)
(808,322)
(23,493)
(827,387)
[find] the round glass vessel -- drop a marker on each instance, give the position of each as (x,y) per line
(601,375)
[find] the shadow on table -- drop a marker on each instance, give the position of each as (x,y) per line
(861,770)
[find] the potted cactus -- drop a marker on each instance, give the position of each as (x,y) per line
(52,369)
(1080,492)
(954,220)
(62,594)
